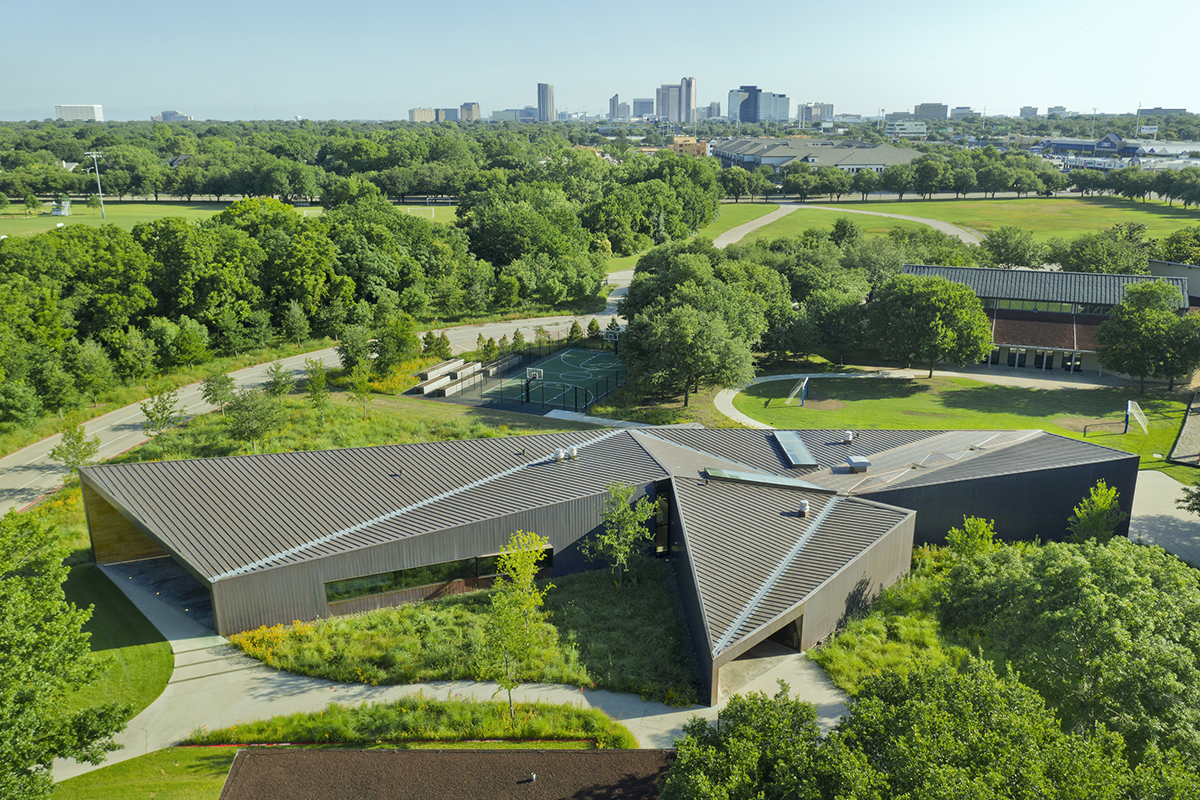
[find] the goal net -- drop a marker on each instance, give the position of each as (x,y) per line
(417,211)
(1134,411)
(801,389)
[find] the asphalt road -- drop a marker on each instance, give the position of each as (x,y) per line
(29,473)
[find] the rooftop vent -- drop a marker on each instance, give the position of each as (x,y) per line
(804,508)
(573,452)
(847,437)
(858,463)
(560,454)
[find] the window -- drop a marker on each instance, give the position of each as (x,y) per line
(416,577)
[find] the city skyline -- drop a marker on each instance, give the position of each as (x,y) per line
(239,62)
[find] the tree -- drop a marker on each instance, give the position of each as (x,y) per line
(91,367)
(624,528)
(355,347)
(575,334)
(19,404)
(4,202)
(864,182)
(360,384)
(1009,246)
(1136,339)
(32,204)
(252,415)
(280,381)
(44,661)
(316,385)
(975,537)
(295,323)
(162,413)
(217,389)
(1097,516)
(845,231)
(594,334)
(518,341)
(396,342)
(683,350)
(75,450)
(931,319)
(135,355)
(834,182)
(515,625)
(995,178)
(444,350)
(898,179)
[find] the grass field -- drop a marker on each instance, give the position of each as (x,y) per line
(447,215)
(122,214)
(960,403)
(136,659)
(1046,217)
(804,218)
(734,214)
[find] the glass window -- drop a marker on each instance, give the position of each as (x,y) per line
(414,577)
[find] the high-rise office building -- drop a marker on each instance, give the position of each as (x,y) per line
(422,115)
(666,102)
(445,115)
(1060,110)
(751,104)
(643,106)
(931,111)
(622,110)
(469,112)
(613,103)
(82,113)
(171,116)
(714,109)
(1029,111)
(808,113)
(545,106)
(687,99)
(961,112)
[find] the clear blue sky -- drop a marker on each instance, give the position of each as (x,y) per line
(375,60)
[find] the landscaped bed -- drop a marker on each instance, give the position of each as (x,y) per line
(622,638)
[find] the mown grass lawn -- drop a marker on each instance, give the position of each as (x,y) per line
(961,403)
(624,639)
(136,660)
(1046,217)
(123,214)
(803,218)
(734,214)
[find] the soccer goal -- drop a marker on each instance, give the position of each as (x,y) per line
(799,390)
(417,211)
(1133,410)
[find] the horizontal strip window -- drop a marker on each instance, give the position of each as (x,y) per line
(416,577)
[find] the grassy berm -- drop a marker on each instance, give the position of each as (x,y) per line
(621,638)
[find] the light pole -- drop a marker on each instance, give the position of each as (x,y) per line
(95,156)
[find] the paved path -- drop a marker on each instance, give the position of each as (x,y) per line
(29,474)
(736,234)
(1187,445)
(214,685)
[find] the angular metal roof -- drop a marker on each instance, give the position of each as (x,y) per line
(1051,286)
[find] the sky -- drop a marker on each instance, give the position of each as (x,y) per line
(353,59)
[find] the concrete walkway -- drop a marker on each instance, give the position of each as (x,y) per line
(736,234)
(1156,520)
(215,686)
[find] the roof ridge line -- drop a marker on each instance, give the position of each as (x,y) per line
(329,537)
(784,563)
(690,449)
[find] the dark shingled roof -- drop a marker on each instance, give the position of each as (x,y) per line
(290,774)
(1051,286)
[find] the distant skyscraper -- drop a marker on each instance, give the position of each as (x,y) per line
(614,103)
(961,112)
(687,99)
(667,102)
(422,115)
(643,106)
(469,112)
(1029,111)
(751,104)
(808,113)
(546,112)
(445,115)
(622,110)
(84,113)
(931,111)
(1060,110)
(714,109)
(170,116)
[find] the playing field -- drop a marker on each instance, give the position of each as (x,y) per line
(571,379)
(122,214)
(447,215)
(804,218)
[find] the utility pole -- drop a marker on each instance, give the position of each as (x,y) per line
(95,156)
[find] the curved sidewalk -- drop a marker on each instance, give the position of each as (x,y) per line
(737,234)
(214,685)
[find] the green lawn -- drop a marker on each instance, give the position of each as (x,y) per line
(734,214)
(1046,217)
(960,403)
(137,661)
(593,623)
(802,219)
(123,214)
(447,215)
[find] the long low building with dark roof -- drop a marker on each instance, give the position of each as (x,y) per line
(1045,319)
(772,535)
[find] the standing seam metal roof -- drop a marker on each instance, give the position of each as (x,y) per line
(1085,288)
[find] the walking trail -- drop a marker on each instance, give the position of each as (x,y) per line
(735,234)
(214,685)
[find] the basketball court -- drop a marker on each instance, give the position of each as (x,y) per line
(568,379)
